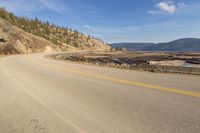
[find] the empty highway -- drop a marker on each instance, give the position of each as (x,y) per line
(39,95)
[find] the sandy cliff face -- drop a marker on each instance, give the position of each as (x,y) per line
(16,41)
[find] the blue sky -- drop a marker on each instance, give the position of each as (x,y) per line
(117,20)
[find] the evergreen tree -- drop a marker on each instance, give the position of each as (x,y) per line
(55,34)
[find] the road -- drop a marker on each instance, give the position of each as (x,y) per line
(38,95)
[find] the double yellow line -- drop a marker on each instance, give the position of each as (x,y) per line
(133,83)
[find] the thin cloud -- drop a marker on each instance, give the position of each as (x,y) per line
(53,5)
(153,12)
(87,26)
(21,6)
(169,7)
(181,5)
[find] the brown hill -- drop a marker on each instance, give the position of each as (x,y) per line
(16,41)
(16,38)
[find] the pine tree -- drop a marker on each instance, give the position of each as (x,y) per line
(55,34)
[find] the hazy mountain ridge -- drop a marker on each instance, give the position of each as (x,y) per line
(182,45)
(131,46)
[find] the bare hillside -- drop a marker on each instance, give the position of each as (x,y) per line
(22,35)
(16,41)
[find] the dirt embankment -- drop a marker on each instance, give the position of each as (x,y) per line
(16,41)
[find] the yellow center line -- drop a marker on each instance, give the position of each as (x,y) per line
(128,82)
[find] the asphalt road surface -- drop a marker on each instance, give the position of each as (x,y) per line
(38,95)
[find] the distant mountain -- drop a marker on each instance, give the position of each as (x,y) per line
(182,45)
(132,46)
(186,44)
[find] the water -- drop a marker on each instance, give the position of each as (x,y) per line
(190,65)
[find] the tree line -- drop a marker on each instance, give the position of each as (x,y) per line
(52,32)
